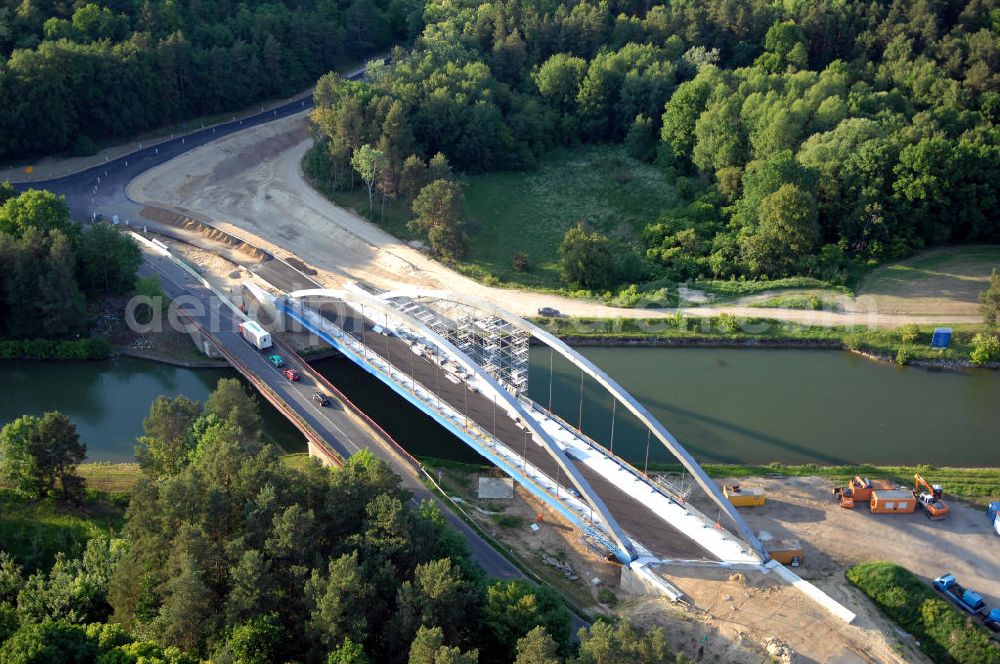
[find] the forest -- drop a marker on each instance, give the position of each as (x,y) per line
(76,75)
(803,138)
(55,272)
(231,555)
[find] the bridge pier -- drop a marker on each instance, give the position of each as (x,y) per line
(203,344)
(317,451)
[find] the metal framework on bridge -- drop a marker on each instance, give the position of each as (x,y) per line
(492,344)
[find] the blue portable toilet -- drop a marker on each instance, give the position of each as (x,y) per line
(941,337)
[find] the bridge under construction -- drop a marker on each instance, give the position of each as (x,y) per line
(465,364)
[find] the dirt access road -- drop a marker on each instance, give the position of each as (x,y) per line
(251,184)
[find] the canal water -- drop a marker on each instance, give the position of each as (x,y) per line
(724,405)
(107,400)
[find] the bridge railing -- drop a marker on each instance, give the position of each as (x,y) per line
(311,434)
(354,409)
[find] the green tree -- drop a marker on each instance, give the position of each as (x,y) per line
(34,208)
(438,209)
(989,301)
(682,111)
(788,232)
(108,261)
(348,652)
(62,304)
(428,648)
(166,444)
(985,348)
(586,260)
(514,608)
(537,647)
(396,142)
(48,642)
(438,596)
(339,599)
(184,619)
(640,141)
(604,643)
(785,46)
(230,401)
(412,179)
(558,80)
(369,163)
(438,168)
(39,452)
(258,640)
(17,463)
(719,140)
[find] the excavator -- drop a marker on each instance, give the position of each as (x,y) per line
(930,498)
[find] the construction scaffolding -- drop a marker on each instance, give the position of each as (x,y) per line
(496,345)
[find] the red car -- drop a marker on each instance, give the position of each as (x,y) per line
(291,374)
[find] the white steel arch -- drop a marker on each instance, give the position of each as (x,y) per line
(617,391)
(377,303)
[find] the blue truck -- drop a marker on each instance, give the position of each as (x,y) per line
(968,600)
(993,515)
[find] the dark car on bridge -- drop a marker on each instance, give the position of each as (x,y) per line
(321,398)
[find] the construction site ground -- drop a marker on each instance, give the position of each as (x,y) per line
(833,539)
(728,615)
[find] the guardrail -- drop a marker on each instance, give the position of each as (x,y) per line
(352,407)
(311,434)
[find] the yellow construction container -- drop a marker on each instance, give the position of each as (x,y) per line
(742,495)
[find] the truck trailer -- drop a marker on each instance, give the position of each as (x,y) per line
(255,335)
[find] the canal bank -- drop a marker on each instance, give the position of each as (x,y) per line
(737,406)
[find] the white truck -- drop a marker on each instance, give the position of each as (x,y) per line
(255,335)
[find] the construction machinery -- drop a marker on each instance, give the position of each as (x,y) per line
(930,498)
(859,490)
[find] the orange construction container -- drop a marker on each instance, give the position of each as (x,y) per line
(861,488)
(786,552)
(893,502)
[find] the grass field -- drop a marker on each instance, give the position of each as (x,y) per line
(33,532)
(946,280)
(943,632)
(530,212)
(110,477)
